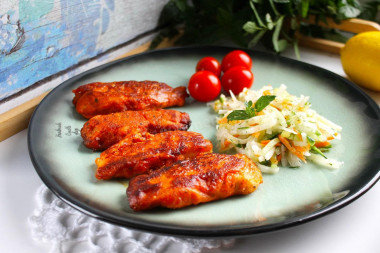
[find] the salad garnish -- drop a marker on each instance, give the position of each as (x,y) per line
(274,128)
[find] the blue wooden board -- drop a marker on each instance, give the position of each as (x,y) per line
(42,38)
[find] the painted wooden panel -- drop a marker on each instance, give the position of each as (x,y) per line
(40,39)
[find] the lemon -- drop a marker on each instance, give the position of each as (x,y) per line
(360,59)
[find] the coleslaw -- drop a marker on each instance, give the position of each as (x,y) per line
(273,127)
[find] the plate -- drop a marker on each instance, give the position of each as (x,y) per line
(288,198)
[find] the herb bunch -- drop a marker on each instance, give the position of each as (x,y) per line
(250,111)
(274,23)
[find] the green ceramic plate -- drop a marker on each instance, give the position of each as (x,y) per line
(288,198)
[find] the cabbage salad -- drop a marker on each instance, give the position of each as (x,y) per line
(273,127)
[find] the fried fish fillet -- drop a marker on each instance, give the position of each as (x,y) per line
(102,131)
(204,178)
(103,98)
(124,160)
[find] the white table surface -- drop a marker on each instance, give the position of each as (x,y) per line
(354,228)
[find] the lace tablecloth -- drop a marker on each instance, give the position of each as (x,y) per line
(68,230)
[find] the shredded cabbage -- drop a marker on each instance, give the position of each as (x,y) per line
(286,131)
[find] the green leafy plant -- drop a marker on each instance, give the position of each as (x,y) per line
(274,23)
(370,11)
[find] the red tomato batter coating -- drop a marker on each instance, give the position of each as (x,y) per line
(124,160)
(102,131)
(205,178)
(103,98)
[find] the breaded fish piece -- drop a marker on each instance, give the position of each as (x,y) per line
(124,160)
(205,178)
(102,131)
(104,98)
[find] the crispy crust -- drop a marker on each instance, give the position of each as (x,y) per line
(205,178)
(103,98)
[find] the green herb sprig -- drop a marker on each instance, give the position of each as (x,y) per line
(251,111)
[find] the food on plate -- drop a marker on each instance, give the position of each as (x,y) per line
(204,86)
(236,79)
(236,58)
(102,131)
(126,160)
(210,64)
(205,178)
(103,98)
(273,127)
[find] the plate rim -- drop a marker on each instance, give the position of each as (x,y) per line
(206,232)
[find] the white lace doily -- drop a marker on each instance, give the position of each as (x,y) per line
(68,230)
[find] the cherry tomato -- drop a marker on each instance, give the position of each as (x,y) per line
(236,79)
(236,58)
(204,86)
(209,63)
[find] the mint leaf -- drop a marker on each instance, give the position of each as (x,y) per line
(263,102)
(248,113)
(248,104)
(239,115)
(249,109)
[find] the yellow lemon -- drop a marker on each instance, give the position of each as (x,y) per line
(360,59)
